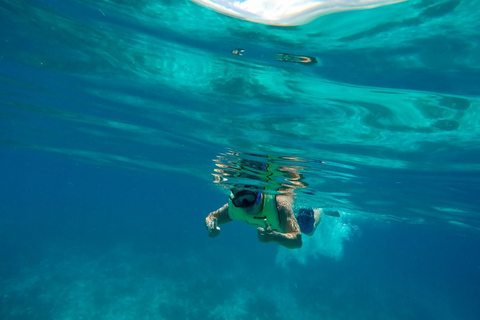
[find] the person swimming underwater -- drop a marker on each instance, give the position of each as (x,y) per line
(285,57)
(288,57)
(271,214)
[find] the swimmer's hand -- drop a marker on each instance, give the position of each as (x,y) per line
(264,234)
(212,227)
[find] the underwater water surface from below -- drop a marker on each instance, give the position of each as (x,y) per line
(124,123)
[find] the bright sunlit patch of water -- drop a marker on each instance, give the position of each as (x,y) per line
(287,12)
(327,241)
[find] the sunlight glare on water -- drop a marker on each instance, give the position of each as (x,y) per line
(288,12)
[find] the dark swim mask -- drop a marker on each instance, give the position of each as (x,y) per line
(245,198)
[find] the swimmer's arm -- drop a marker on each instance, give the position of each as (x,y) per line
(292,238)
(221,215)
(214,219)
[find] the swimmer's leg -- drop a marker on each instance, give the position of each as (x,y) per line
(317,216)
(332,213)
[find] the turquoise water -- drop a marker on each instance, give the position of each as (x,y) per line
(116,116)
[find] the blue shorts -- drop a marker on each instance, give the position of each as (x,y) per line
(306,220)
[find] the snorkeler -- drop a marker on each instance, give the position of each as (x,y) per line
(285,57)
(288,57)
(272,215)
(238,51)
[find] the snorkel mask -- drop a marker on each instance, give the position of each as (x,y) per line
(245,198)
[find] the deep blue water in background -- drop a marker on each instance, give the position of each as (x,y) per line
(112,114)
(84,241)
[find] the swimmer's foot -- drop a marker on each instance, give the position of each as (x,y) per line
(332,213)
(317,214)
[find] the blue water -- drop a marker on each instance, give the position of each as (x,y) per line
(116,115)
